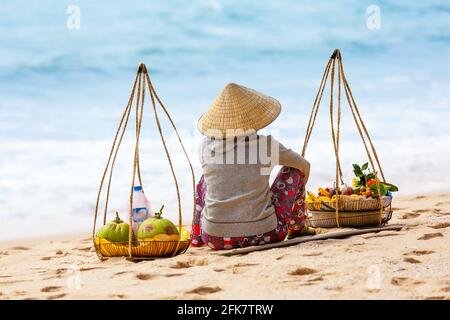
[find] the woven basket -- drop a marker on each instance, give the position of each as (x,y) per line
(140,249)
(352,219)
(350,205)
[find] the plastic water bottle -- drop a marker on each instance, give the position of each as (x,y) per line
(141,209)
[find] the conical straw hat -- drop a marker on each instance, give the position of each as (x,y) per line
(238,108)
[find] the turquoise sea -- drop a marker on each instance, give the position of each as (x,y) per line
(63,88)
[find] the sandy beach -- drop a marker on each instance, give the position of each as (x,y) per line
(413,263)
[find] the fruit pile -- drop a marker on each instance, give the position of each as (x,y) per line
(154,228)
(364,186)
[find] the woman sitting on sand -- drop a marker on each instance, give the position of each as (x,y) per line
(234,205)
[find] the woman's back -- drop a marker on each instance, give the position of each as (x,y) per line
(236,172)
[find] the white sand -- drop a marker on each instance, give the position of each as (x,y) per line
(410,264)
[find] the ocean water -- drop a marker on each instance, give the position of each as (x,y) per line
(62,92)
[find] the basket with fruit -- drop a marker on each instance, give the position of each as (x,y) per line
(359,204)
(155,236)
(361,196)
(367,201)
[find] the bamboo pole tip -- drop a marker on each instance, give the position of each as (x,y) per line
(142,68)
(336,53)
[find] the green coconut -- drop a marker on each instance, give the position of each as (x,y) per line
(115,231)
(156,225)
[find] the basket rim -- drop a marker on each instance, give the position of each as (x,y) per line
(181,247)
(136,242)
(328,206)
(364,212)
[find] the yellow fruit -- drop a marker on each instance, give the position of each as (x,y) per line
(323,192)
(184,234)
(166,237)
(311,196)
(355,182)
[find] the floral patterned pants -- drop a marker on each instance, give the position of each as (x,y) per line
(288,198)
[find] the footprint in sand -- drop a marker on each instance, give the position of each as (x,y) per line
(239,268)
(401,281)
(428,236)
(441,225)
(334,288)
(171,275)
(435,298)
(445,289)
(50,289)
(117,296)
(202,290)
(409,215)
(312,254)
(122,272)
(239,265)
(315,279)
(19,248)
(91,268)
(419,252)
(383,234)
(144,276)
(190,263)
(421,210)
(302,271)
(181,265)
(441,203)
(412,260)
(56,296)
(218,270)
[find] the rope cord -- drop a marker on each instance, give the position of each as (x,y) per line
(114,162)
(359,122)
(139,114)
(169,117)
(125,115)
(315,109)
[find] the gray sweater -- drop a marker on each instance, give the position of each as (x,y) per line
(238,199)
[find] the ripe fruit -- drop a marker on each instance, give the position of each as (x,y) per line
(158,228)
(323,192)
(331,192)
(115,231)
(346,190)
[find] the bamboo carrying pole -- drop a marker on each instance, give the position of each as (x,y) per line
(335,131)
(293,242)
(141,81)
